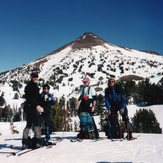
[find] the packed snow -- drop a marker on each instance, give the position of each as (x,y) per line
(147,148)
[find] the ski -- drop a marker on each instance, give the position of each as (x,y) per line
(7,152)
(30,150)
(123,139)
(133,138)
(24,151)
(16,153)
(76,140)
(113,140)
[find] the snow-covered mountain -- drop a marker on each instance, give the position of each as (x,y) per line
(91,55)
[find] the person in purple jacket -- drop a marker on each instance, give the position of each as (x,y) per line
(115,101)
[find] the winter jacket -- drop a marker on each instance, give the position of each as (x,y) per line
(32,97)
(48,100)
(115,98)
(87,96)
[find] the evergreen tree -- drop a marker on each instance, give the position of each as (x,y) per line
(2,101)
(144,92)
(129,89)
(144,121)
(99,104)
(61,117)
(67,123)
(72,105)
(103,121)
(76,129)
(1,109)
(7,114)
(58,117)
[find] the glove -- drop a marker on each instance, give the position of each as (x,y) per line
(78,104)
(122,111)
(45,97)
(93,109)
(39,109)
(109,112)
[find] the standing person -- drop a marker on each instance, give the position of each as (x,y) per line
(115,101)
(48,102)
(32,110)
(86,106)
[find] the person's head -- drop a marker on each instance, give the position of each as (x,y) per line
(46,88)
(111,82)
(86,81)
(34,77)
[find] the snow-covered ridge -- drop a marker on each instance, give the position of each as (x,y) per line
(90,55)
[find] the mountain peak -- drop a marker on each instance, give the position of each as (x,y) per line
(87,40)
(88,35)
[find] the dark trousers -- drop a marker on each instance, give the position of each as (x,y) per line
(33,120)
(124,115)
(125,119)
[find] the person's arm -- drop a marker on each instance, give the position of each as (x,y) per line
(50,99)
(123,103)
(93,106)
(94,97)
(80,98)
(107,100)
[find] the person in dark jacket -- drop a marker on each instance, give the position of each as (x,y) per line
(48,102)
(115,101)
(33,112)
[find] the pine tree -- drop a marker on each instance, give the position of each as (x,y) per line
(76,129)
(72,103)
(7,113)
(144,121)
(2,101)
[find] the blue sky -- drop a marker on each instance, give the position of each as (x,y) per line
(30,29)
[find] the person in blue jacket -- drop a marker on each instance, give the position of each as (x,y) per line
(115,101)
(48,102)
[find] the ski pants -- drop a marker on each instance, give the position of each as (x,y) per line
(33,120)
(124,115)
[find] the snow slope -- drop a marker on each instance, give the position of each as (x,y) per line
(65,67)
(147,148)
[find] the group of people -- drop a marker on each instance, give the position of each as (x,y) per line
(37,106)
(114,101)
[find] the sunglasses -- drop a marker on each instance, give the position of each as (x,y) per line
(111,81)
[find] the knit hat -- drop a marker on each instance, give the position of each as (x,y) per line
(46,86)
(34,75)
(86,79)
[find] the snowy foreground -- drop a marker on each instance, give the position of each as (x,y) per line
(146,148)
